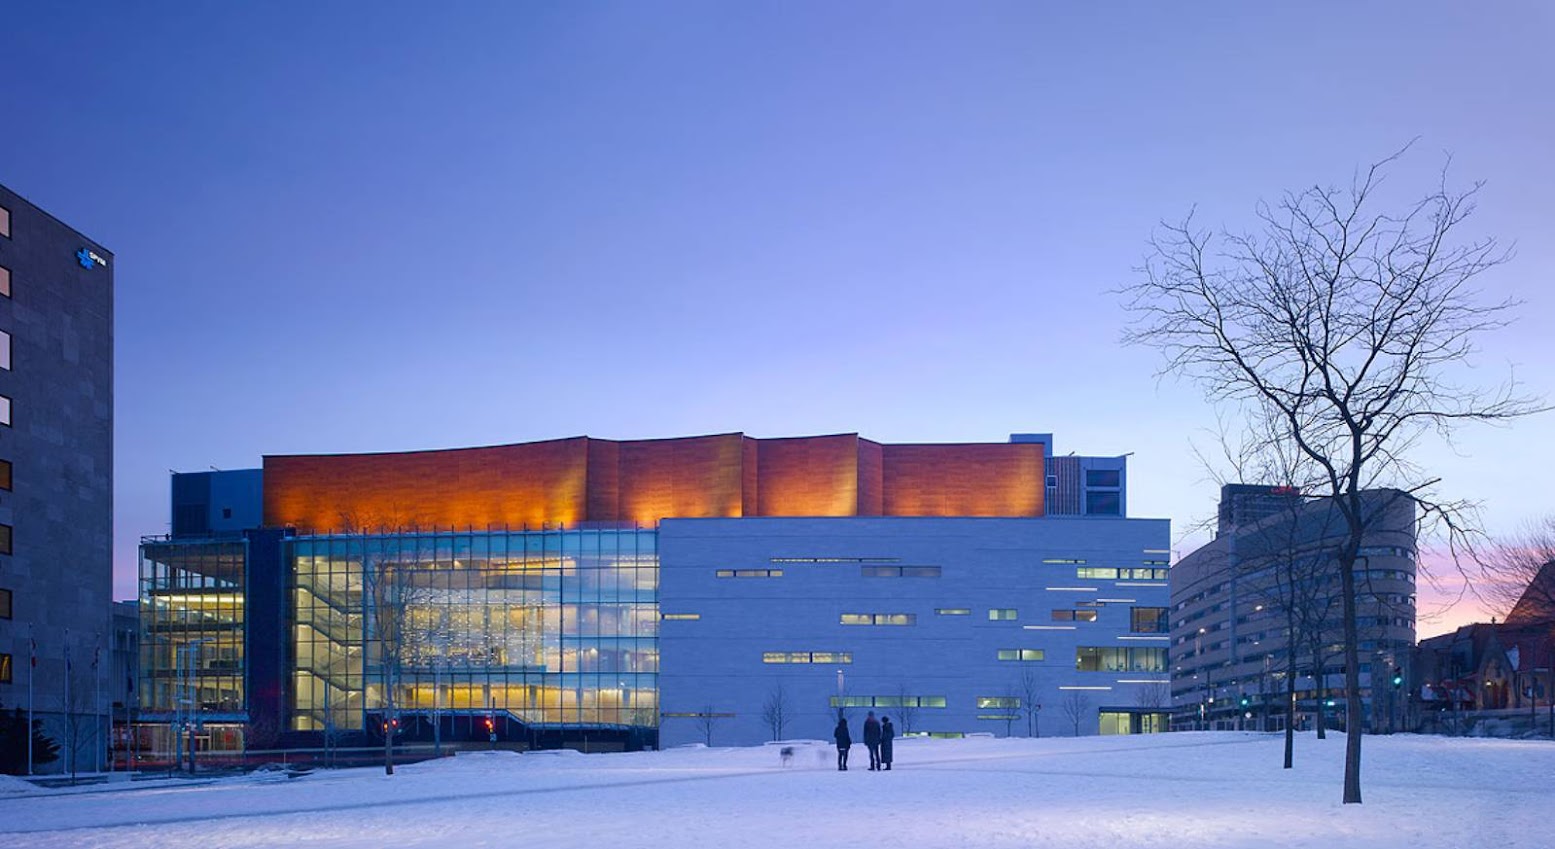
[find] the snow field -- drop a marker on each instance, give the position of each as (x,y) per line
(1175,790)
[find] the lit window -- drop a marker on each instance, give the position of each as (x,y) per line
(681,617)
(1148,620)
(5,281)
(985,702)
(1001,614)
(5,222)
(1097,573)
(900,571)
(5,475)
(1021,654)
(879,619)
(5,411)
(5,669)
(5,604)
(953,611)
(1074,616)
(5,539)
(749,573)
(5,350)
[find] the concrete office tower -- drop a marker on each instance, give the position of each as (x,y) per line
(1271,574)
(56,476)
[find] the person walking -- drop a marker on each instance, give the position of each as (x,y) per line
(887,734)
(844,741)
(872,740)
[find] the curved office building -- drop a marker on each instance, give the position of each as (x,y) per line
(608,594)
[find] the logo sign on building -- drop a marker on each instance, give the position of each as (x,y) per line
(88,258)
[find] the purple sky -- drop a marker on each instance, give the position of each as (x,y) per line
(397,226)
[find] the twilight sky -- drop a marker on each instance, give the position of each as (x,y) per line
(370,227)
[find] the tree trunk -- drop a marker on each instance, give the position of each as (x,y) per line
(1353,720)
(1290,702)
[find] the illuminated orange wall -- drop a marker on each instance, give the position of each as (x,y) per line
(963,480)
(568,481)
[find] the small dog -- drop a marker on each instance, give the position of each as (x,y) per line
(786,755)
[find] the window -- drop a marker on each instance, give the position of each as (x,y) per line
(806,657)
(879,619)
(1074,616)
(1097,573)
(1118,659)
(5,475)
(1148,620)
(680,617)
(1103,477)
(750,573)
(833,559)
(1103,503)
(1001,614)
(1062,560)
(5,281)
(1021,654)
(888,701)
(5,411)
(226,512)
(5,539)
(985,702)
(953,611)
(5,350)
(5,669)
(5,604)
(5,228)
(899,571)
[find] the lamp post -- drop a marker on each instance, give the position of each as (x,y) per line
(841,683)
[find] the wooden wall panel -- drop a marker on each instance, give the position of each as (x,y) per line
(994,479)
(576,480)
(507,485)
(808,476)
(871,484)
(694,477)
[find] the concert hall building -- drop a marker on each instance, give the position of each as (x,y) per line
(619,594)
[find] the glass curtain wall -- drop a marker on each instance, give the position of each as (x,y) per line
(192,631)
(552,628)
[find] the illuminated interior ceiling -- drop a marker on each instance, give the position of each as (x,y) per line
(568,481)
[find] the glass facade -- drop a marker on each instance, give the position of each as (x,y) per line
(553,629)
(192,637)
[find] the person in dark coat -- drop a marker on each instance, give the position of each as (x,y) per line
(844,741)
(887,734)
(872,740)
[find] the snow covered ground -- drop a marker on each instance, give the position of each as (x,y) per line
(1176,790)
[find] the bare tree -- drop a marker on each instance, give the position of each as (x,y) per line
(393,590)
(1153,697)
(707,720)
(775,711)
(1349,326)
(907,708)
(1030,686)
(1009,704)
(1076,705)
(1523,587)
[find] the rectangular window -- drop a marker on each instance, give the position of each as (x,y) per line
(1103,503)
(5,350)
(833,559)
(1103,477)
(899,571)
(879,619)
(5,222)
(1074,616)
(1021,654)
(985,702)
(806,657)
(953,611)
(5,539)
(5,604)
(1148,620)
(1062,560)
(749,573)
(1119,659)
(1097,573)
(1001,614)
(681,617)
(5,475)
(5,411)
(5,281)
(5,669)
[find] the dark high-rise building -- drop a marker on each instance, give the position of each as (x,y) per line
(56,476)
